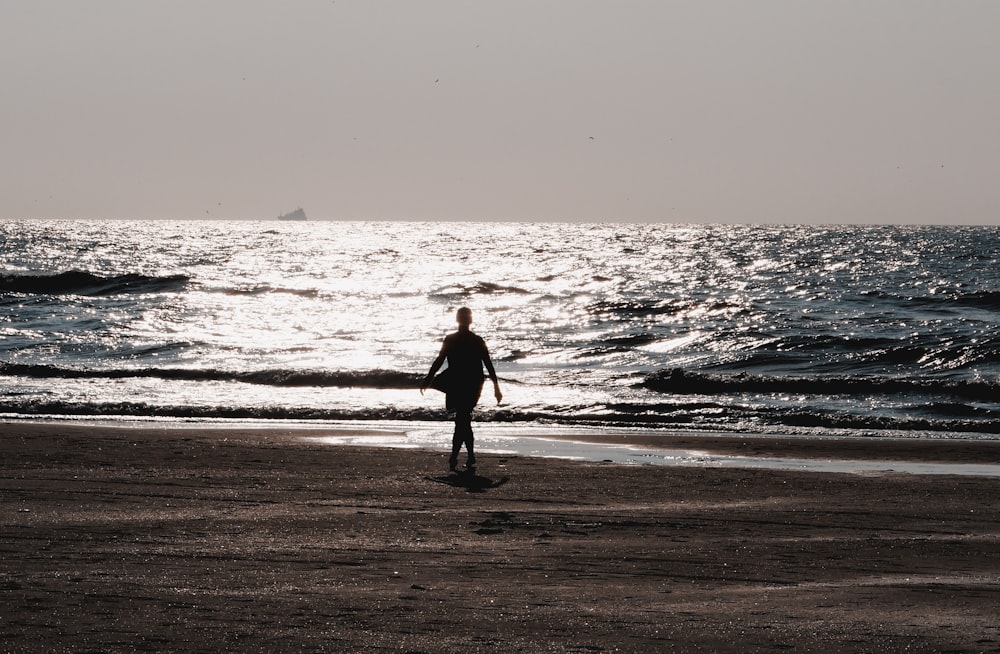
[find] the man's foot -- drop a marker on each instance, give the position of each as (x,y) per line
(453,465)
(471,462)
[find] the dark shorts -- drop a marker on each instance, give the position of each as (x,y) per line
(463,396)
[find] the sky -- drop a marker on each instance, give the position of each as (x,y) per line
(731,111)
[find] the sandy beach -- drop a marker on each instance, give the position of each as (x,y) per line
(249,540)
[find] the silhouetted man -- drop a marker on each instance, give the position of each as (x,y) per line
(466,354)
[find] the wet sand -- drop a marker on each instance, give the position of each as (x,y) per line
(123,540)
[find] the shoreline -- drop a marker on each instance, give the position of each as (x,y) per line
(956,448)
(217,538)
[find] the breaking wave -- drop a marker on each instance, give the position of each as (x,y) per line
(684,382)
(79,282)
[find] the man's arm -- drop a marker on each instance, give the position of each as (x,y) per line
(438,362)
(493,373)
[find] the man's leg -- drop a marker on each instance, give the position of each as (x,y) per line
(456,445)
(471,460)
(463,436)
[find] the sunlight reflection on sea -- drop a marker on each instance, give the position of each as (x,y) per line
(758,328)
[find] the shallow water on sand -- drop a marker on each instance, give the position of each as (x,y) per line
(573,443)
(501,441)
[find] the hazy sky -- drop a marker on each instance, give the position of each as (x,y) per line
(721,111)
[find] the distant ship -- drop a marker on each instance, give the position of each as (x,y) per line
(298,214)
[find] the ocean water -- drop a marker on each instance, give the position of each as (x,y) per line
(770,329)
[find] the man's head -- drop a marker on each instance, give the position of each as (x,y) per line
(464,316)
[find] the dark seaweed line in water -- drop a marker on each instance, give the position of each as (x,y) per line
(675,381)
(385,379)
(749,420)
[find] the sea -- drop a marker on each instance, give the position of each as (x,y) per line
(873,331)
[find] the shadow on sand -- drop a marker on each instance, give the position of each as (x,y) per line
(470,481)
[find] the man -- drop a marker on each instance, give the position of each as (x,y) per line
(466,354)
